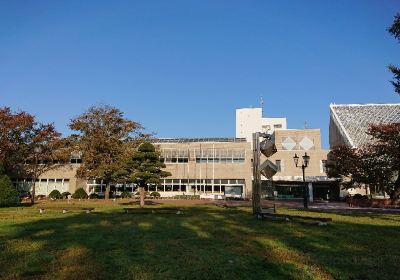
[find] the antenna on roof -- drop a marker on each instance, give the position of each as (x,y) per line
(305,125)
(262,103)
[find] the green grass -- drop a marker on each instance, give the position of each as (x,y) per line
(206,242)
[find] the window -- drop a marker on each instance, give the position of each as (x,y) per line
(278,165)
(323,166)
(76,157)
(265,128)
(277,126)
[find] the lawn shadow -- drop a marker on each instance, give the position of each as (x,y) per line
(206,242)
(137,202)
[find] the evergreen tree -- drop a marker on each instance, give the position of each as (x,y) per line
(8,194)
(394,29)
(144,167)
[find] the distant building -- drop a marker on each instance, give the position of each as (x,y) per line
(250,120)
(219,167)
(288,181)
(349,123)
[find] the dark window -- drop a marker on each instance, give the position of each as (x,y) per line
(278,165)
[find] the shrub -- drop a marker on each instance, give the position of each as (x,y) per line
(155,194)
(80,194)
(184,196)
(8,194)
(126,194)
(40,197)
(233,198)
(55,194)
(94,196)
(145,194)
(360,196)
(65,195)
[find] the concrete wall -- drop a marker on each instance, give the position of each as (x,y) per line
(193,170)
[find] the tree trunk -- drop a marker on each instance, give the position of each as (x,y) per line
(107,193)
(33,191)
(395,194)
(141,190)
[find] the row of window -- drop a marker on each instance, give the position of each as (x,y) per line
(175,185)
(42,185)
(279,165)
(209,155)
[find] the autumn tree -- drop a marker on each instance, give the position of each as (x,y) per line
(386,149)
(143,167)
(394,29)
(376,164)
(28,148)
(104,138)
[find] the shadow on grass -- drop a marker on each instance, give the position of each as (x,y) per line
(137,202)
(205,243)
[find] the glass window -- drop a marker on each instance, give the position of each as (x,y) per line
(278,165)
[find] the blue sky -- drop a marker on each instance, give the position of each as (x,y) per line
(182,67)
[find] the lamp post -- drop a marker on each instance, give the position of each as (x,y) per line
(304,165)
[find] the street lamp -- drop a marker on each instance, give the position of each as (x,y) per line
(304,165)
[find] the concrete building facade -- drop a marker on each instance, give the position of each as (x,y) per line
(220,167)
(250,120)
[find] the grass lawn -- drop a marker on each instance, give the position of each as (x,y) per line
(206,242)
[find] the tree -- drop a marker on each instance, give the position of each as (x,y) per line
(144,167)
(394,29)
(28,148)
(104,138)
(376,164)
(386,148)
(8,194)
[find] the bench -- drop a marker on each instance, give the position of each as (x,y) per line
(321,220)
(66,210)
(88,210)
(153,211)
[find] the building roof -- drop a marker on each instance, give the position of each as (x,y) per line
(352,121)
(186,140)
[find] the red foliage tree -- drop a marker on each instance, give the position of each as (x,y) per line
(28,148)
(376,164)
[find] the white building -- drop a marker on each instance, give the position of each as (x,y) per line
(250,120)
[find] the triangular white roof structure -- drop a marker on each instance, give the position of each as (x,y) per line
(350,122)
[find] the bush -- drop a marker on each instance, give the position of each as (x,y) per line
(65,195)
(145,194)
(8,194)
(94,196)
(55,194)
(40,197)
(361,197)
(80,194)
(155,194)
(234,198)
(126,194)
(184,196)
